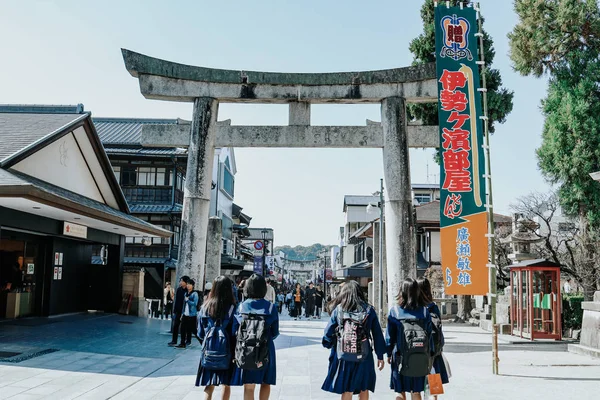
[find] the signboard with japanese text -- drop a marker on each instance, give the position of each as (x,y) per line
(258,265)
(463,219)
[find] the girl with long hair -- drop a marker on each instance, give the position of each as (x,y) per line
(410,307)
(347,377)
(255,304)
(427,299)
(218,308)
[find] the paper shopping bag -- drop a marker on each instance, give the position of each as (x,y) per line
(435,384)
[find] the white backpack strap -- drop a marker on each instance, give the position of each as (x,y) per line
(231,310)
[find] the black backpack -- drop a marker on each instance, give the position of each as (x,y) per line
(352,337)
(251,346)
(415,353)
(436,333)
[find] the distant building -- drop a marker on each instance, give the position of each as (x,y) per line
(425,192)
(59,205)
(153,181)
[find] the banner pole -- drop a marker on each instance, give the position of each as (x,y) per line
(491,235)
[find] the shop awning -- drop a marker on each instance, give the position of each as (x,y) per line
(27,194)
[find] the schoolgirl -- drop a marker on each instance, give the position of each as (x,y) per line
(255,304)
(348,377)
(218,309)
(427,299)
(410,308)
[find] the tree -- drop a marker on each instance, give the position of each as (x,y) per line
(561,38)
(500,100)
(561,242)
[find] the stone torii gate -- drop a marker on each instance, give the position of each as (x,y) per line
(207,87)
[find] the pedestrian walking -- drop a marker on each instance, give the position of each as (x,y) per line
(178,309)
(298,296)
(409,342)
(217,336)
(190,312)
(256,325)
(436,329)
(270,296)
(310,300)
(280,300)
(288,301)
(168,296)
(318,302)
(353,332)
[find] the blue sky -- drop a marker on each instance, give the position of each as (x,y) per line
(68,52)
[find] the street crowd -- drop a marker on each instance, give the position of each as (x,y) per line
(236,325)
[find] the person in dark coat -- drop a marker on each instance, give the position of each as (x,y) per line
(410,307)
(190,315)
(346,377)
(427,299)
(318,302)
(218,308)
(310,300)
(178,309)
(255,303)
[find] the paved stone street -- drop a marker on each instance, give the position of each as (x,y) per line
(119,357)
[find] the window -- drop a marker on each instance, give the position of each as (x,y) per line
(146,176)
(117,171)
(422,198)
(128,176)
(227,224)
(176,234)
(227,180)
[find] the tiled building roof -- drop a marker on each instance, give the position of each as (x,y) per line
(20,130)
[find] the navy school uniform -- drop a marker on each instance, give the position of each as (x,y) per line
(267,375)
(400,383)
(438,362)
(223,377)
(347,376)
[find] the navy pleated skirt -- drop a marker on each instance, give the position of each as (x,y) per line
(344,376)
(207,377)
(401,384)
(267,375)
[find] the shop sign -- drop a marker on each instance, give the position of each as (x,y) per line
(463,216)
(75,230)
(55,276)
(328,275)
(258,265)
(59,273)
(30,269)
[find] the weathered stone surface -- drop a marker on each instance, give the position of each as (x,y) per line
(170,89)
(214,244)
(196,200)
(399,215)
(299,113)
(370,136)
(138,64)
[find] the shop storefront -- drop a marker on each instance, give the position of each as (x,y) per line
(60,205)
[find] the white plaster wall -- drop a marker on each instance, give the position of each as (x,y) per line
(348,258)
(360,214)
(62,164)
(436,247)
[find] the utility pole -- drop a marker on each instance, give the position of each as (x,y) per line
(380,283)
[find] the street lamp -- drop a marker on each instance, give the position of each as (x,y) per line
(264,233)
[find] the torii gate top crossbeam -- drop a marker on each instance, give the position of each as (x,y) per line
(165,80)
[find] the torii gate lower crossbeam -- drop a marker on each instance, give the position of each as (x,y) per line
(207,87)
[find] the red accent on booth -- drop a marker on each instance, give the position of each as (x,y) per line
(535,301)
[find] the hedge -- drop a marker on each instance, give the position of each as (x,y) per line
(572,314)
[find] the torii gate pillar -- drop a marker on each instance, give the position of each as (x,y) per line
(196,198)
(399,216)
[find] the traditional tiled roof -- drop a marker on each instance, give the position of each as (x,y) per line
(154,208)
(21,127)
(145,151)
(120,131)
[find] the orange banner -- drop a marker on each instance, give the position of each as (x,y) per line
(462,243)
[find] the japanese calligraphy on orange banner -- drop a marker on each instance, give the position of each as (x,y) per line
(463,216)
